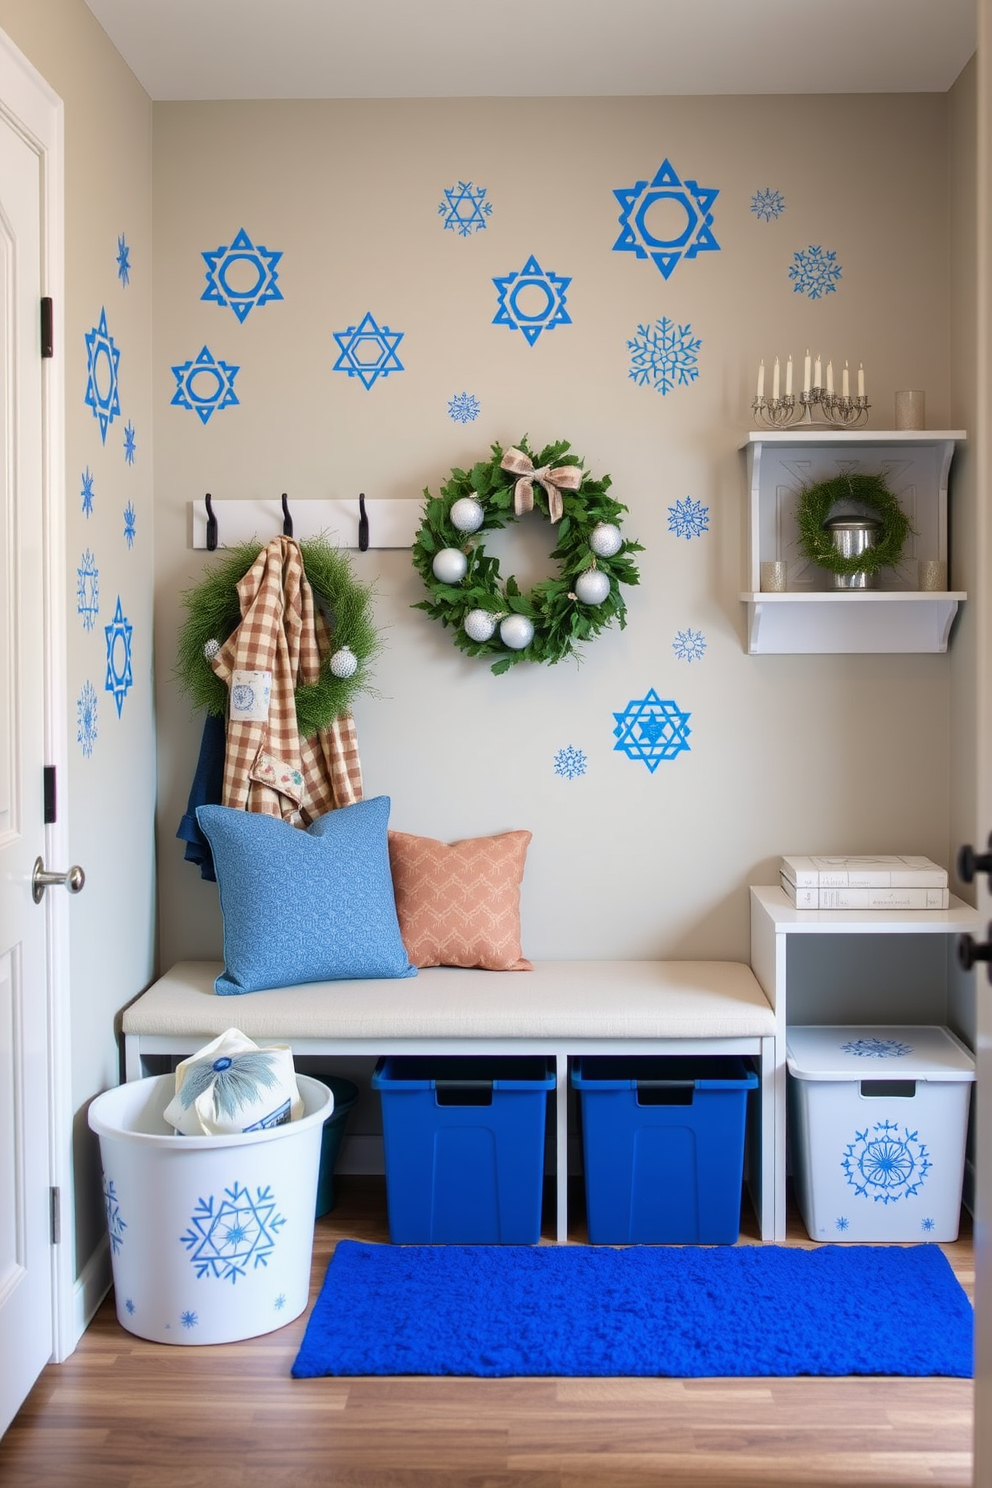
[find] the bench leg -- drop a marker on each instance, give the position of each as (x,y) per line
(561,1147)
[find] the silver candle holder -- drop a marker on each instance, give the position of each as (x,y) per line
(815,408)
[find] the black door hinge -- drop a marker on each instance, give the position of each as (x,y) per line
(47,349)
(51,801)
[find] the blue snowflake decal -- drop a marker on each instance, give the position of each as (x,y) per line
(242,275)
(88,590)
(119,675)
(465,208)
(103,362)
(876,1048)
(226,1238)
(368,351)
(531,300)
(883,1166)
(86,719)
(463,408)
(689,645)
(651,730)
(123,261)
(767,205)
(129,1305)
(688,519)
(204,385)
(664,355)
(684,218)
(188,1319)
(926,1225)
(115,1224)
(570,762)
(86,494)
(815,272)
(130,445)
(842,1223)
(130,524)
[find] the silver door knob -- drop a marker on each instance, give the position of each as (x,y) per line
(42,879)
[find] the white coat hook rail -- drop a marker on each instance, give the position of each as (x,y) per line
(363,523)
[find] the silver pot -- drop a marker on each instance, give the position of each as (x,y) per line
(853,536)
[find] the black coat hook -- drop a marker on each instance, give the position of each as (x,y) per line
(287,521)
(211,525)
(363,524)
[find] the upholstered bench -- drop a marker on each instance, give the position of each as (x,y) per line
(560,1009)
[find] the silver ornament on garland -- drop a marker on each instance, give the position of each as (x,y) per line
(606,539)
(480,625)
(593,586)
(344,663)
(210,648)
(517,632)
(449,566)
(466,514)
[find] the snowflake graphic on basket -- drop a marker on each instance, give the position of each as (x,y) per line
(225,1239)
(688,518)
(767,205)
(664,355)
(115,1224)
(689,645)
(883,1166)
(815,272)
(876,1048)
(464,408)
(570,762)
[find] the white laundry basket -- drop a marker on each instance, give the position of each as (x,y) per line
(211,1237)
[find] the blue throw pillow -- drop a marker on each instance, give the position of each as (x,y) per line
(305,906)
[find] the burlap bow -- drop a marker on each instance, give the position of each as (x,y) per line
(562,477)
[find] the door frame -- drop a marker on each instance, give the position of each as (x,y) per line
(32,107)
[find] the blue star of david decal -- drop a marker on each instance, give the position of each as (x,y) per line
(465,208)
(123,261)
(368,351)
(532,301)
(102,365)
(119,678)
(225,1237)
(685,201)
(242,275)
(204,385)
(651,730)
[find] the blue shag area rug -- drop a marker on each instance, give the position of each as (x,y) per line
(684,1312)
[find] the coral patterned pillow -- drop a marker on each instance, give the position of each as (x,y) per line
(458,903)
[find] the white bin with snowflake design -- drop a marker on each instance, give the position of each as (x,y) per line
(211,1237)
(878,1118)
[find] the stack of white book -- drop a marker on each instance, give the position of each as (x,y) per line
(864,883)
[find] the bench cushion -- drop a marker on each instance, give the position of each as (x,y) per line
(557,1000)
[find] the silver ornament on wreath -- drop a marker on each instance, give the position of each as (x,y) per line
(593,586)
(466,514)
(517,632)
(480,625)
(344,662)
(449,566)
(606,539)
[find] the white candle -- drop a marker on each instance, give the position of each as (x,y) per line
(861,381)
(775,381)
(845,383)
(788,378)
(761,379)
(806,372)
(830,377)
(818,374)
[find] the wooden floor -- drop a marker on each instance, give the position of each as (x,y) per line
(122,1413)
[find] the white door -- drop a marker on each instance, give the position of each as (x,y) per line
(27,1270)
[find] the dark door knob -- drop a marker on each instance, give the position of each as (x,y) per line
(970,862)
(971,951)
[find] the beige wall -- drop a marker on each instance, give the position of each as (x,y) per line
(815,753)
(110,793)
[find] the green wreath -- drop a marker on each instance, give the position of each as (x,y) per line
(868,492)
(553,615)
(214,612)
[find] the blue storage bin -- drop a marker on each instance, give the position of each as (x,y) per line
(464,1144)
(663,1147)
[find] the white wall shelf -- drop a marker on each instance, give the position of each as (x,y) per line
(811,616)
(848,966)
